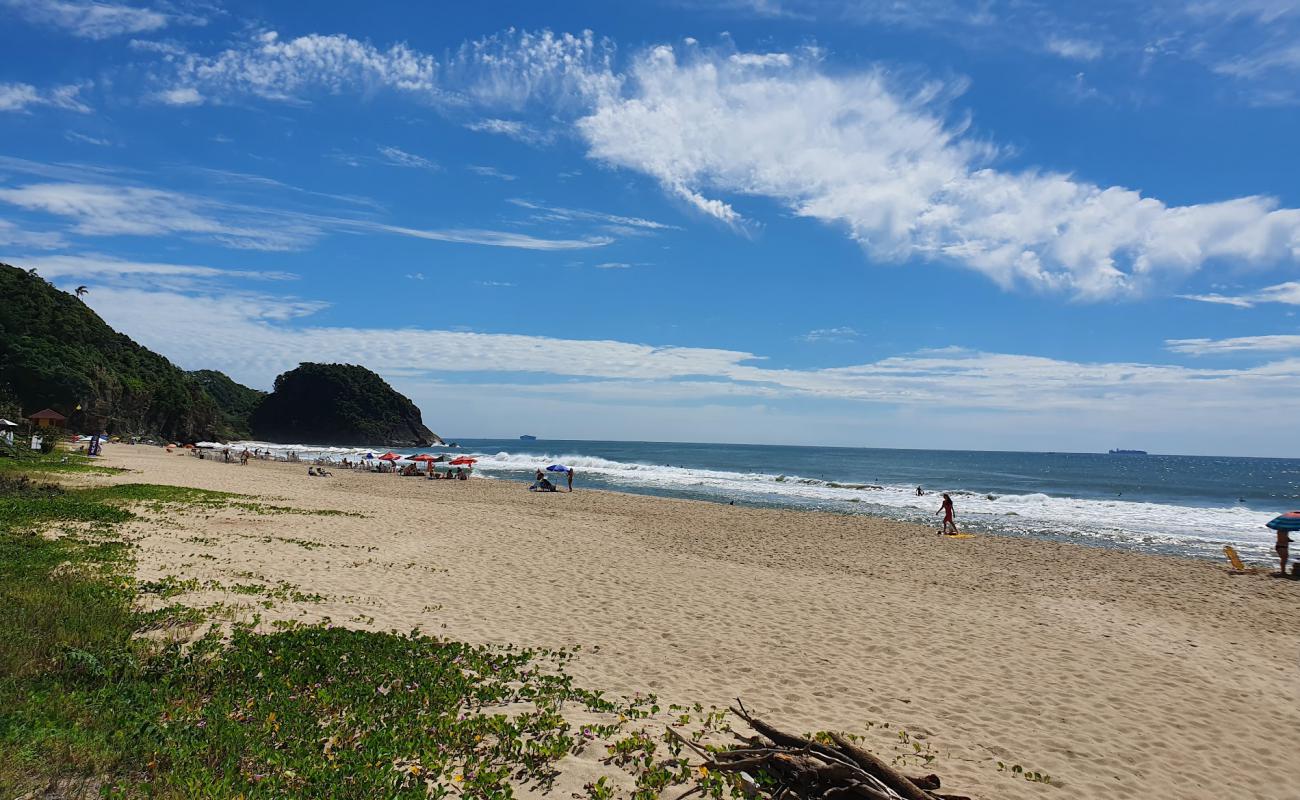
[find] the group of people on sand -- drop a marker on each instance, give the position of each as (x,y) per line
(543,484)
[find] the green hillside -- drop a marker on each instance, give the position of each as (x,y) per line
(341,404)
(55,352)
(235,400)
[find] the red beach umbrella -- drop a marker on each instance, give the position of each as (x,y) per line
(421,457)
(389,456)
(463,461)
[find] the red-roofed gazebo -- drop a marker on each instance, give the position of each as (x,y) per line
(47,418)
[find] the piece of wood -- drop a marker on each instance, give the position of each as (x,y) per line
(875,765)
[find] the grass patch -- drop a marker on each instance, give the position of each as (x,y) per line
(306,711)
(19,461)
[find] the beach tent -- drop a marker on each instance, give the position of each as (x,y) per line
(1290,521)
(557,468)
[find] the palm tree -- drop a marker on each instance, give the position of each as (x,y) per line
(81,291)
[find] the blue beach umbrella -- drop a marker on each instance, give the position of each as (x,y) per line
(1290,521)
(557,468)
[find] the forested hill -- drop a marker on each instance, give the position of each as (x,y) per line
(55,352)
(235,401)
(340,404)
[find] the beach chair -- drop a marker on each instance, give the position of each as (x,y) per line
(1238,566)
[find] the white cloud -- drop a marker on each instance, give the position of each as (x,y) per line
(547,213)
(1074,49)
(402,158)
(614,265)
(95,265)
(112,210)
(415,276)
(859,152)
(486,237)
(1287,293)
(1276,343)
(89,19)
(179,96)
(74,136)
(104,209)
(21,96)
(253,345)
(490,172)
(13,235)
(840,334)
(496,284)
(513,129)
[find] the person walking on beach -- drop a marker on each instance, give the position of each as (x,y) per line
(570,476)
(949,527)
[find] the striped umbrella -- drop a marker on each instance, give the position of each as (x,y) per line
(1290,521)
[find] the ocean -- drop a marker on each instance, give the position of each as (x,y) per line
(1183,505)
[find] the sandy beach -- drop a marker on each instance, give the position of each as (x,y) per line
(1118,674)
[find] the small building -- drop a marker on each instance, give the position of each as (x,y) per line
(47,418)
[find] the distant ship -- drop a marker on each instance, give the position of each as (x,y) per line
(528,438)
(1128,452)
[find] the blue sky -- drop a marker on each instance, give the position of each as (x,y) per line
(1005,225)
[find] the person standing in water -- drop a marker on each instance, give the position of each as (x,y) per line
(949,526)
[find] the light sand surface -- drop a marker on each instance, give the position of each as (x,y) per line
(1119,674)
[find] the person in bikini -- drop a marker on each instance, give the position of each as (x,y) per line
(1283,548)
(949,527)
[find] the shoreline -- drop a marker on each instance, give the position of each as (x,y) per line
(1107,669)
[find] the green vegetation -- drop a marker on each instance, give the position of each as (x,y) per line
(341,404)
(235,400)
(308,711)
(55,352)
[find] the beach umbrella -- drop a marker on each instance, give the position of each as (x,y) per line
(462,461)
(557,468)
(1290,521)
(421,457)
(389,456)
(368,456)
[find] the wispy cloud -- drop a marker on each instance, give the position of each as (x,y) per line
(490,172)
(840,334)
(120,209)
(88,19)
(401,158)
(178,96)
(1074,49)
(1273,343)
(15,236)
(549,213)
(487,238)
(114,210)
(614,265)
(74,136)
(96,265)
(1287,293)
(253,347)
(513,129)
(22,96)
(862,152)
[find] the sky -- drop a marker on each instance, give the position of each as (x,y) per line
(1011,225)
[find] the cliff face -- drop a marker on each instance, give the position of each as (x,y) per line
(342,404)
(56,352)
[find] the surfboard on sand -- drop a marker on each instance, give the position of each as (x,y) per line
(957,535)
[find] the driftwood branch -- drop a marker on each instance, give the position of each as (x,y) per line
(793,766)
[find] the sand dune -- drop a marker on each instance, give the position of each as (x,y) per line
(1119,674)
